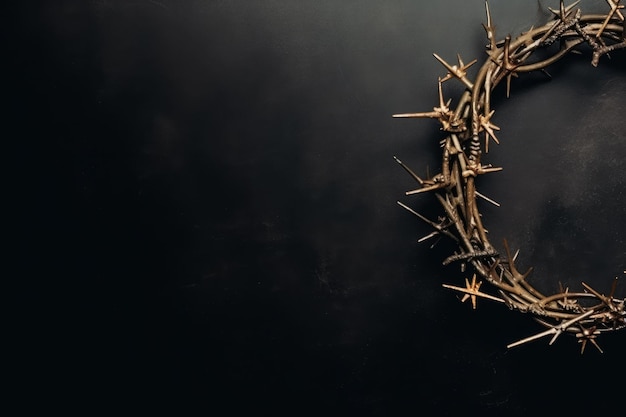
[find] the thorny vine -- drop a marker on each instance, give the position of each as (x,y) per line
(585,314)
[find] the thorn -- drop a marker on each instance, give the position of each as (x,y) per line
(488,14)
(439,228)
(615,9)
(495,203)
(457,71)
(596,345)
(410,171)
(489,128)
(430,115)
(563,11)
(556,330)
(491,33)
(471,291)
(424,189)
(428,236)
(608,301)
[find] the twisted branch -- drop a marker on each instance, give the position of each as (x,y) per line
(585,314)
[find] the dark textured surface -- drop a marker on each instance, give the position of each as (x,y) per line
(218,218)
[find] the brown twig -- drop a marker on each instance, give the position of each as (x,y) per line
(455,186)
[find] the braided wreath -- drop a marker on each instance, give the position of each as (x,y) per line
(585,314)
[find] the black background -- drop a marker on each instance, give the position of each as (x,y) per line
(206,210)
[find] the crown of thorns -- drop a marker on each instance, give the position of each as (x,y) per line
(586,314)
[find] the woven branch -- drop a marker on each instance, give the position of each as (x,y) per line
(585,314)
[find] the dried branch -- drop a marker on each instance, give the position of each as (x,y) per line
(455,186)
